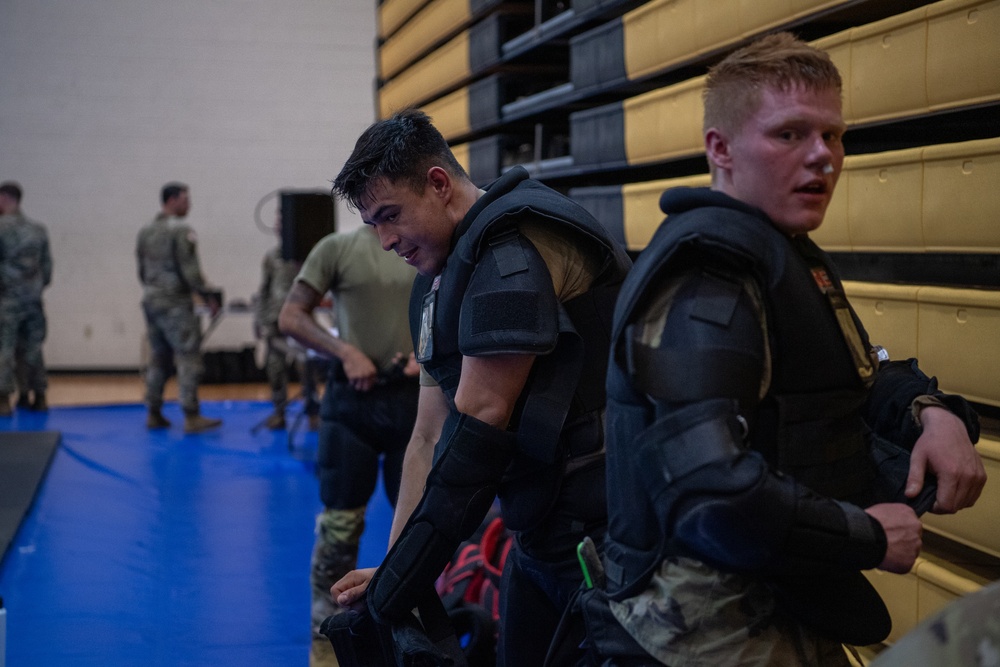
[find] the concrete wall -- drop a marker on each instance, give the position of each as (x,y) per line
(103,101)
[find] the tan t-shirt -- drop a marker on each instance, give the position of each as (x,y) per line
(371,292)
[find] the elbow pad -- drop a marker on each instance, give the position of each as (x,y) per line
(722,502)
(773,524)
(460,489)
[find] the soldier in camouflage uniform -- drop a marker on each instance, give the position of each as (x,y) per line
(25,270)
(169,272)
(370,404)
(277,276)
(966,632)
(745,403)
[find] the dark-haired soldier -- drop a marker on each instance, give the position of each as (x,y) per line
(25,271)
(510,320)
(170,274)
(744,401)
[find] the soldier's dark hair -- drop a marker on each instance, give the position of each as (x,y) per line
(12,190)
(171,190)
(399,149)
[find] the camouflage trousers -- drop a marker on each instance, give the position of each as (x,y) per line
(22,332)
(694,615)
(335,553)
(966,632)
(174,334)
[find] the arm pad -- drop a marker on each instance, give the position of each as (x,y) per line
(887,410)
(460,489)
(722,503)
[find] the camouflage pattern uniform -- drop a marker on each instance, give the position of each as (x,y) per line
(966,632)
(25,270)
(277,276)
(694,614)
(169,272)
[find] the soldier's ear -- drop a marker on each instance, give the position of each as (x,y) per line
(717,148)
(440,183)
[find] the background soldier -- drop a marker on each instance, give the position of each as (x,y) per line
(370,402)
(25,271)
(169,272)
(277,276)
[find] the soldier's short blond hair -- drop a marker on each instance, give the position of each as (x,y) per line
(780,62)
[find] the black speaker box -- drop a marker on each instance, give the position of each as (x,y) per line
(306,217)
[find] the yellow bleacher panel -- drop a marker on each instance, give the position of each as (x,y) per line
(888,65)
(834,234)
(437,72)
(839,48)
(900,594)
(641,214)
(665,123)
(393,13)
(961,200)
(958,333)
(664,32)
(658,34)
(889,313)
(963,52)
(884,201)
(434,22)
(461,153)
(939,586)
(451,113)
(976,526)
(759,15)
(717,23)
(935,580)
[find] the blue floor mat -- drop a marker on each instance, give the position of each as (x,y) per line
(160,549)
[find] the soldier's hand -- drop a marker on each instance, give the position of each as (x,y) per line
(350,589)
(360,371)
(945,448)
(902,534)
(409,364)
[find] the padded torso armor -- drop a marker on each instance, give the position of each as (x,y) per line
(808,424)
(559,413)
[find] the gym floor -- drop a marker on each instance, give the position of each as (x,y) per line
(157,548)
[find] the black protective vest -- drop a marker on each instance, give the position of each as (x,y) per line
(559,413)
(809,424)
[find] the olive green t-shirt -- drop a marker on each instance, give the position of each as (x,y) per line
(371,292)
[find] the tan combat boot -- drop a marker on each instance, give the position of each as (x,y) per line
(275,421)
(5,409)
(195,423)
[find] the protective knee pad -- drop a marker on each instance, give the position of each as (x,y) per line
(460,489)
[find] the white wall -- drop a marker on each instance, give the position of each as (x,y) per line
(103,101)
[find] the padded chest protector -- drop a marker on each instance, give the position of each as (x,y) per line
(810,417)
(494,296)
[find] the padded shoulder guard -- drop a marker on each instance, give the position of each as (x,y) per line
(510,305)
(710,344)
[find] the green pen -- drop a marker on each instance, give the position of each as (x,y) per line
(583,566)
